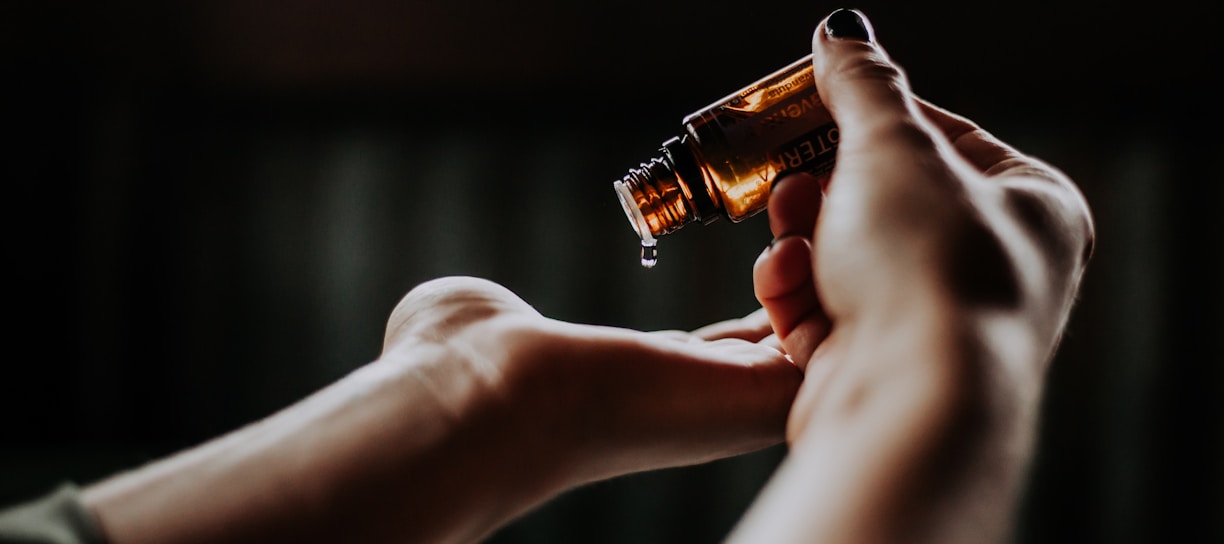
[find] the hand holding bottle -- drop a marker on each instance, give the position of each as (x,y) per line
(924,287)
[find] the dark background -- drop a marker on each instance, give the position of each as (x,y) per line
(214,206)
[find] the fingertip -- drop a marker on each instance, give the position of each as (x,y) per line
(794,204)
(857,80)
(778,267)
(848,24)
(776,343)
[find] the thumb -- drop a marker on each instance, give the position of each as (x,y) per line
(861,86)
(895,186)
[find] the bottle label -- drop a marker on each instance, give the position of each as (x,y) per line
(812,152)
(772,128)
(779,125)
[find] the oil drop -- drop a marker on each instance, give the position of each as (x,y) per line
(650,253)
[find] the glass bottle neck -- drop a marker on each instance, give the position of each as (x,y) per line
(666,193)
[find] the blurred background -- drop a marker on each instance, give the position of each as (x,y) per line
(216,205)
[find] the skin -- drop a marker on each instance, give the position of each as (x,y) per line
(918,296)
(478,409)
(924,288)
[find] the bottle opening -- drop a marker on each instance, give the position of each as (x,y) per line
(633,213)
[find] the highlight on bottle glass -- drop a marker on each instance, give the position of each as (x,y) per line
(728,155)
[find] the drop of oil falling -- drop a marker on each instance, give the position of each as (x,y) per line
(650,254)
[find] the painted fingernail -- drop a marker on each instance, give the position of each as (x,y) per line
(847,24)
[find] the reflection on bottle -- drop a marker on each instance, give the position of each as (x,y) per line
(729,155)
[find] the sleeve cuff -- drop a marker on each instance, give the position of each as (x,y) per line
(58,517)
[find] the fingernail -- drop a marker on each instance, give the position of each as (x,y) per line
(847,24)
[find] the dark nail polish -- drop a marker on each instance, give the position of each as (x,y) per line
(847,24)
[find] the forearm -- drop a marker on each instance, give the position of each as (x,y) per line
(394,452)
(907,439)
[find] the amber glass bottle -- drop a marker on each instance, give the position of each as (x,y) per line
(730,153)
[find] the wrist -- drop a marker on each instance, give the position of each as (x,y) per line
(472,449)
(922,361)
(422,445)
